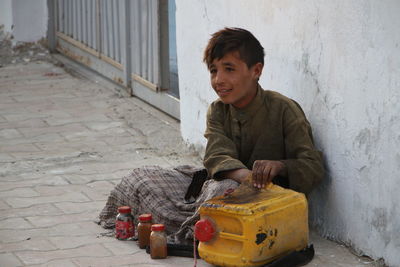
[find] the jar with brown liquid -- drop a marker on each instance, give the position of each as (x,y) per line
(144,230)
(158,242)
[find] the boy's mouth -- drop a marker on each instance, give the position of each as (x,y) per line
(223,92)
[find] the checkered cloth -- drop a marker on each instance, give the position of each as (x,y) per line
(159,191)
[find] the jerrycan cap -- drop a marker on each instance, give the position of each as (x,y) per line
(204,230)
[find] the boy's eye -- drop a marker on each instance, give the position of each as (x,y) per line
(212,71)
(230,69)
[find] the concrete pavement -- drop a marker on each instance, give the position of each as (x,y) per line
(65,141)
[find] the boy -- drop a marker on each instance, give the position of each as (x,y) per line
(248,130)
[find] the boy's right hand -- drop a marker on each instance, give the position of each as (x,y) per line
(265,170)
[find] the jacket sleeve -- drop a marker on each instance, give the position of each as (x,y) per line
(304,163)
(221,153)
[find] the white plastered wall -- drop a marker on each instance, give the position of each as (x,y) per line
(25,20)
(341,61)
(5,18)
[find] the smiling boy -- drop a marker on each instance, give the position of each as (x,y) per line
(250,129)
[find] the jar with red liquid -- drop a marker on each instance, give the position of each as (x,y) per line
(124,227)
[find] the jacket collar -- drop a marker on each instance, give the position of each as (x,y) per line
(249,111)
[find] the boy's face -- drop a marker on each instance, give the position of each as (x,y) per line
(233,81)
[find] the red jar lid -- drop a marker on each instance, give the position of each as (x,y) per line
(124,209)
(157,227)
(145,217)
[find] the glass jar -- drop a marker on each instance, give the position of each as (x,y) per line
(144,230)
(124,227)
(158,242)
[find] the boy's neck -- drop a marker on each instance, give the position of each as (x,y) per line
(256,86)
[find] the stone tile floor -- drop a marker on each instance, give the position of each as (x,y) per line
(65,141)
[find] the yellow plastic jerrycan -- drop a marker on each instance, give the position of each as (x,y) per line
(252,227)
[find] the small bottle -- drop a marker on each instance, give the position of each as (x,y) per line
(144,230)
(124,227)
(158,242)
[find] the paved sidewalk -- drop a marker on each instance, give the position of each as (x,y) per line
(65,141)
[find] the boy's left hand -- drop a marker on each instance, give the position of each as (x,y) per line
(265,170)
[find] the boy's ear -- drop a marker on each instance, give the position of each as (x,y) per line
(257,69)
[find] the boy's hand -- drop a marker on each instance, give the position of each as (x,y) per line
(265,170)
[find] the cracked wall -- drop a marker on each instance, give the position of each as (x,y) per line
(341,61)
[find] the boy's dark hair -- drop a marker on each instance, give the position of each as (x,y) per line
(234,39)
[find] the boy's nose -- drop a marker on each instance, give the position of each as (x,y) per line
(219,78)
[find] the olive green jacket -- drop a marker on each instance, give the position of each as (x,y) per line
(271,127)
